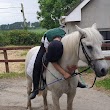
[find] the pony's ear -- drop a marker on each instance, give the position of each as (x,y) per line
(81,31)
(94,26)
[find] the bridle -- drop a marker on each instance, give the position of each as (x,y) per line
(89,59)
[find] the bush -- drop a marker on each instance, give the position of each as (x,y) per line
(20,37)
(4,39)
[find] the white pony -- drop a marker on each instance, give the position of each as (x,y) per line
(84,44)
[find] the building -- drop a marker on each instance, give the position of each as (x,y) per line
(87,13)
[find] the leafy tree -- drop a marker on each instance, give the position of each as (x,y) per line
(52,10)
(19,25)
(16,25)
(4,27)
(35,24)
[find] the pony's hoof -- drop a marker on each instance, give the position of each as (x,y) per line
(28,108)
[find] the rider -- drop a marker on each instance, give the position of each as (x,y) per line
(53,47)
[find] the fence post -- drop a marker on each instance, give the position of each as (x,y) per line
(6,63)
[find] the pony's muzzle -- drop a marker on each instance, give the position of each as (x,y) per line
(100,67)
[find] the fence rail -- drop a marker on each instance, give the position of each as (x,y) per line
(6,60)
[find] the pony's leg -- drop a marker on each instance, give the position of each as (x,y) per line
(45,100)
(70,97)
(29,88)
(55,98)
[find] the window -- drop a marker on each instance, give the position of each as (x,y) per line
(106,35)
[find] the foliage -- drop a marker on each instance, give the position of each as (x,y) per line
(38,30)
(19,25)
(52,10)
(20,37)
(35,25)
(4,39)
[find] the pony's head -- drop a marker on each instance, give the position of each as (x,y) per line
(89,49)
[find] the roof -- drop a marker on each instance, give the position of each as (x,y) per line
(74,7)
(75,13)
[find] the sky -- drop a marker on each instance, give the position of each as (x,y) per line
(10,11)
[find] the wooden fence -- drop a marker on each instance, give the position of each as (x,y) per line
(6,60)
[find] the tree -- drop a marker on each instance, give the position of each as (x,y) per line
(52,10)
(35,24)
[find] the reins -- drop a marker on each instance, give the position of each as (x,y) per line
(61,79)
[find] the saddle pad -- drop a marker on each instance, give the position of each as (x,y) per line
(30,66)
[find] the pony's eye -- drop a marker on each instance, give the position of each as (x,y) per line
(89,47)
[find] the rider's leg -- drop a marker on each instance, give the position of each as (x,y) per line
(36,72)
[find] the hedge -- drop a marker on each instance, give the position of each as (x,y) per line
(20,37)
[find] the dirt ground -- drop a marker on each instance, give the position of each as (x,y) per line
(13,96)
(13,93)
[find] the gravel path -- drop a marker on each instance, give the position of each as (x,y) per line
(13,97)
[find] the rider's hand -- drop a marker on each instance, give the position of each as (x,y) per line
(71,68)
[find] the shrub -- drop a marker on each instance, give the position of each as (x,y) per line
(4,39)
(20,37)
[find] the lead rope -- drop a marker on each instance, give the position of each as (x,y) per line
(93,82)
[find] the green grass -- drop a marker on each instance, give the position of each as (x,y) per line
(11,75)
(105,83)
(83,68)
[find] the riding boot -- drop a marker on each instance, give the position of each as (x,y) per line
(33,94)
(36,79)
(80,85)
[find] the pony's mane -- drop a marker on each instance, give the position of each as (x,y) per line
(70,40)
